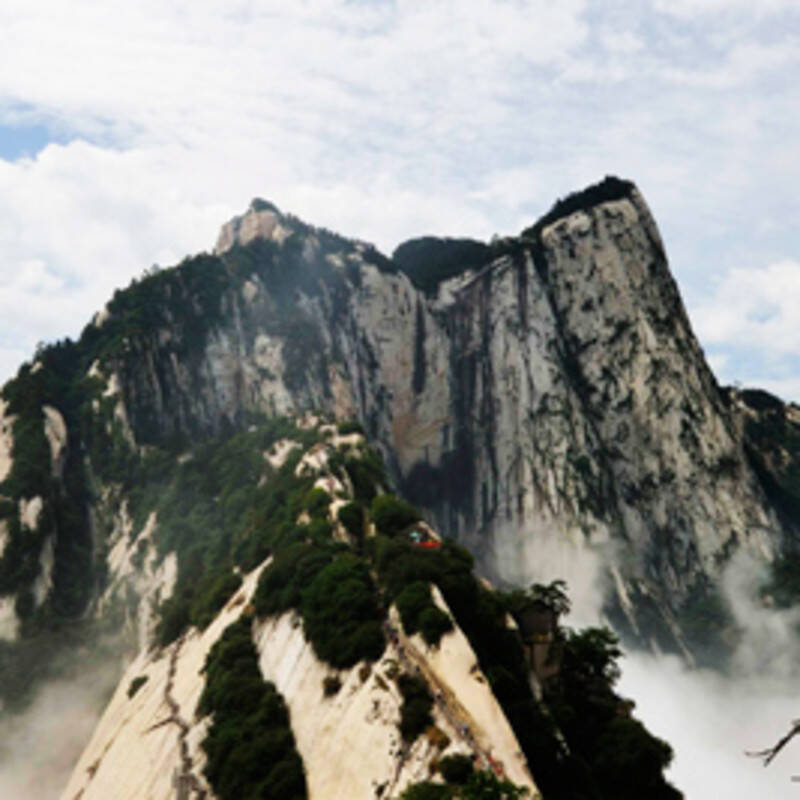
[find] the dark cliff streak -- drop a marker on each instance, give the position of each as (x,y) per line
(419,374)
(603,497)
(487,414)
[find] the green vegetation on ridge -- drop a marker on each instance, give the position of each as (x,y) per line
(419,613)
(218,514)
(340,615)
(428,261)
(65,497)
(249,746)
(483,785)
(610,188)
(415,712)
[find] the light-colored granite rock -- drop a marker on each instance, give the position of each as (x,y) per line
(6,440)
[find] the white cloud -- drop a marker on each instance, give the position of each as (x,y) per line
(622,42)
(79,221)
(39,747)
(541,554)
(744,62)
(711,720)
(748,319)
(12,357)
(689,9)
(717,361)
(181,71)
(382,120)
(754,308)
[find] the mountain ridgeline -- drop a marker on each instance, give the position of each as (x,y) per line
(231,428)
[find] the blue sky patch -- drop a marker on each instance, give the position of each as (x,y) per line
(21,141)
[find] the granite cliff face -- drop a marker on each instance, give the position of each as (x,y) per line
(556,389)
(149,744)
(547,385)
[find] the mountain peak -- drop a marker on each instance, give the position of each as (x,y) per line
(609,189)
(262,220)
(260,204)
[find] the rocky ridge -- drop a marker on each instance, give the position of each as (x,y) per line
(556,391)
(349,742)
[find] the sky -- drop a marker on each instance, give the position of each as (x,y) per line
(129,132)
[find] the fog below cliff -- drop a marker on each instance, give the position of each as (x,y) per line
(710,719)
(40,746)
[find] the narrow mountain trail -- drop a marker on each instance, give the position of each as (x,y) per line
(187,785)
(457,716)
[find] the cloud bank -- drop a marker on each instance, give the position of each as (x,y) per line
(39,746)
(710,719)
(713,719)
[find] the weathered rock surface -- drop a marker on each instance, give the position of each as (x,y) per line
(148,745)
(6,440)
(556,391)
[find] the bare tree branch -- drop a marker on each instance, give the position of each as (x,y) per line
(771,752)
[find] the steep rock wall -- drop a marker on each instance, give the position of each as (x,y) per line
(148,745)
(685,492)
(555,393)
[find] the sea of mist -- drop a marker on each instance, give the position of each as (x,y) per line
(40,745)
(712,719)
(709,718)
